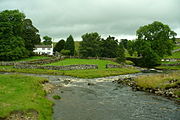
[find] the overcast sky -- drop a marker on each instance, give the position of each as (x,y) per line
(120,18)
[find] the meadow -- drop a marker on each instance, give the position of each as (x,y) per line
(23,93)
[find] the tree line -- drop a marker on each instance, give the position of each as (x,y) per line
(92,45)
(18,37)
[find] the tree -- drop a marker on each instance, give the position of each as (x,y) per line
(120,53)
(30,35)
(160,36)
(130,47)
(69,45)
(47,40)
(12,45)
(59,46)
(154,41)
(109,47)
(125,43)
(90,45)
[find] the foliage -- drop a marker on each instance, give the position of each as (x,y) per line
(12,45)
(131,47)
(59,46)
(65,52)
(21,93)
(120,53)
(154,41)
(47,40)
(160,37)
(30,35)
(69,45)
(109,47)
(124,42)
(90,45)
(56,97)
(150,58)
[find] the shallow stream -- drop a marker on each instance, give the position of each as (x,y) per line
(101,99)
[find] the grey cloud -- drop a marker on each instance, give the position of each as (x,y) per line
(59,18)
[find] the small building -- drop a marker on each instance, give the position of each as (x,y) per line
(43,49)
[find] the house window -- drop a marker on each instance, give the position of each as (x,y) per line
(48,53)
(49,48)
(43,48)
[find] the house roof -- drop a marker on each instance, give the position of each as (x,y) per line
(43,46)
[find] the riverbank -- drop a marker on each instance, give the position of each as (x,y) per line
(23,98)
(167,85)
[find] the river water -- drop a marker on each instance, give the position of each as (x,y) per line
(102,99)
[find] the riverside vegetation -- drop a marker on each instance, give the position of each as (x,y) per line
(24,94)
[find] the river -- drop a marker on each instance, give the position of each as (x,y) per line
(102,99)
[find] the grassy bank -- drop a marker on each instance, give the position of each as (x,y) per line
(161,81)
(91,73)
(168,67)
(33,58)
(23,93)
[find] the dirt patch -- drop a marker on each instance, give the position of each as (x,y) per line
(19,115)
(48,87)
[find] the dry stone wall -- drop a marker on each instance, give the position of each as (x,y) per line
(67,67)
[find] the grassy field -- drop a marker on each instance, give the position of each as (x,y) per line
(22,93)
(91,73)
(101,63)
(174,55)
(33,58)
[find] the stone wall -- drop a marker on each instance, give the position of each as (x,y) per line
(67,67)
(175,64)
(119,66)
(33,62)
(113,66)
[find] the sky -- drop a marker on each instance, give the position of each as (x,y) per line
(119,18)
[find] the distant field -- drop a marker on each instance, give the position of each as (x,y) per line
(23,93)
(101,63)
(174,55)
(33,58)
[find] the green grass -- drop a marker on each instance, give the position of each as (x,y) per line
(174,55)
(161,81)
(170,62)
(169,67)
(176,47)
(21,93)
(101,63)
(91,73)
(33,58)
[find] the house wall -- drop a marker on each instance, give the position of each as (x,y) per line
(41,51)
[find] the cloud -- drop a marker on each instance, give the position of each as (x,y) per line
(60,18)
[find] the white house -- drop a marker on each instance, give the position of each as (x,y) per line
(43,49)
